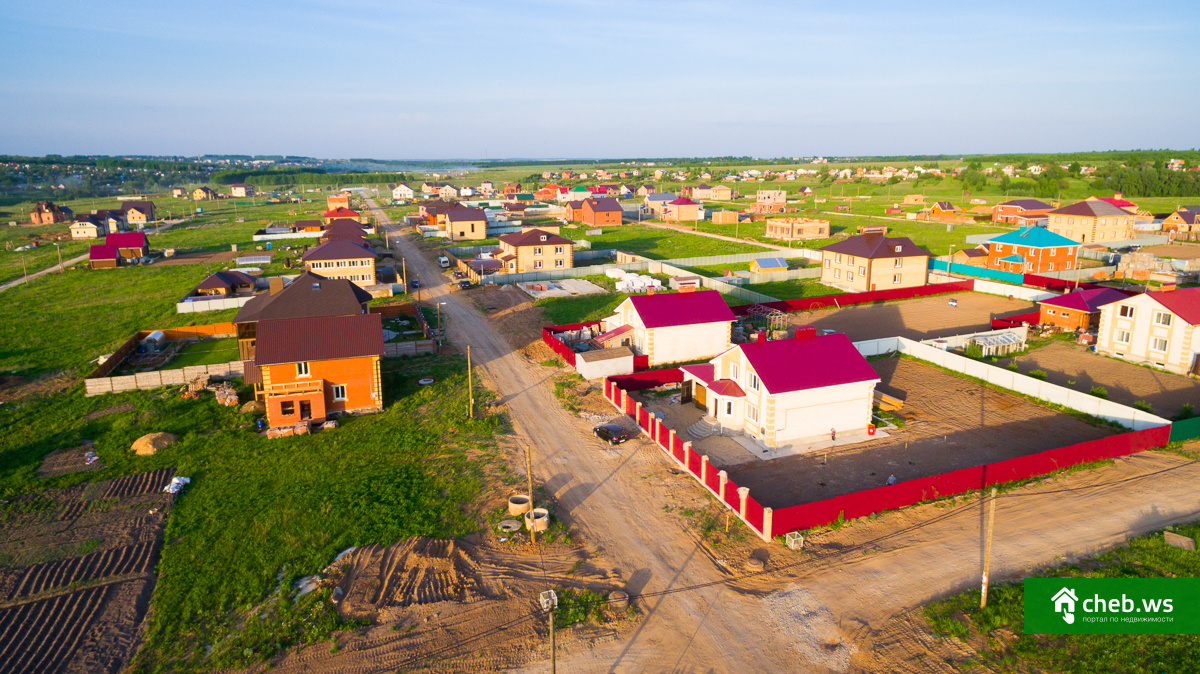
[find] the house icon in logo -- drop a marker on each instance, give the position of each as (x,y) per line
(1064,603)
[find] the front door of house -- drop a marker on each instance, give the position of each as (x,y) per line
(305,410)
(700,398)
(685,393)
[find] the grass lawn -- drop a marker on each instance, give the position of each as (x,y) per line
(1143,557)
(584,308)
(659,244)
(206,352)
(261,513)
(793,290)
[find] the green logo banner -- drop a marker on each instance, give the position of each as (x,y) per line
(1112,605)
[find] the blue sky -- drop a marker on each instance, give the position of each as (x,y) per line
(433,79)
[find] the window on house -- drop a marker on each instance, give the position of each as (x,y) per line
(558,250)
(537,250)
(828,264)
(753,381)
(472,228)
(302,369)
(1162,318)
(1158,344)
(899,248)
(733,371)
(1070,221)
(558,263)
(850,260)
(1050,312)
(837,273)
(752,413)
(899,262)
(896,278)
(1051,266)
(287,408)
(1121,337)
(1068,265)
(1125,311)
(849,276)
(537,264)
(862,271)
(729,407)
(339,392)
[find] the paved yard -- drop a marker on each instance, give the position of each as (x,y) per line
(1126,383)
(916,319)
(958,424)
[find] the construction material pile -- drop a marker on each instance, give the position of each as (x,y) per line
(637,283)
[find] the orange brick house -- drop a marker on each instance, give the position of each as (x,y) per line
(1079,310)
(1008,211)
(309,295)
(1186,219)
(573,211)
(1031,250)
(336,201)
(48,213)
(601,211)
(311,369)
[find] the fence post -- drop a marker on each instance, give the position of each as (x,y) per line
(724,475)
(704,469)
(637,414)
(743,494)
(687,451)
(766,531)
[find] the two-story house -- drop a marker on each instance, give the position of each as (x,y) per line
(307,296)
(1009,211)
(241,190)
(402,192)
(599,211)
(203,194)
(874,262)
(465,223)
(1091,221)
(796,229)
(534,250)
(1032,250)
(342,259)
(787,391)
(1157,328)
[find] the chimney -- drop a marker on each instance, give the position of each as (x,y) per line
(650,290)
(762,336)
(806,332)
(276,284)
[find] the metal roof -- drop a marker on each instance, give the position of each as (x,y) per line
(295,340)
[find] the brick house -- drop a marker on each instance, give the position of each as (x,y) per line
(118,246)
(1157,328)
(241,190)
(675,327)
(1031,250)
(681,209)
(342,212)
(311,369)
(139,213)
(573,211)
(535,250)
(307,296)
(796,229)
(342,259)
(48,213)
(1186,219)
(1008,211)
(601,211)
(203,194)
(225,284)
(654,203)
(1091,221)
(975,257)
(1079,310)
(336,201)
(465,223)
(874,262)
(402,192)
(725,217)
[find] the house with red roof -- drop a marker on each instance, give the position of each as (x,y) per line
(342,212)
(1120,202)
(1079,310)
(117,247)
(788,391)
(682,209)
(1157,329)
(675,327)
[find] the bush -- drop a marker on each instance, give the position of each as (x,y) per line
(1013,366)
(1185,412)
(1143,406)
(1038,374)
(973,350)
(1099,392)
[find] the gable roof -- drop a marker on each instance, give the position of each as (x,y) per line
(800,364)
(1186,215)
(1119,203)
(127,239)
(1086,300)
(226,279)
(102,251)
(771,262)
(338,249)
(465,214)
(1028,204)
(309,295)
(339,223)
(684,201)
(1092,208)
(533,237)
(1184,303)
(663,310)
(873,246)
(604,204)
(660,196)
(293,340)
(341,212)
(139,206)
(1035,237)
(945,206)
(971,252)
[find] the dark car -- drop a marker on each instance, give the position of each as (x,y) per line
(613,434)
(415,283)
(464,285)
(459,274)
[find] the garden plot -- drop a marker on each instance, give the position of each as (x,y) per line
(401,329)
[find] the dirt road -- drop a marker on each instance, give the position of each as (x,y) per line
(815,611)
(38,274)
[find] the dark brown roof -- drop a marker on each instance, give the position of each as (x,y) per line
(534,237)
(1091,208)
(604,204)
(465,214)
(338,249)
(973,252)
(872,246)
(143,206)
(309,223)
(344,235)
(346,222)
(294,340)
(226,279)
(309,295)
(253,375)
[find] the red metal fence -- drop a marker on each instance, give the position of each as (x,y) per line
(867,502)
(1032,318)
(811,303)
(549,336)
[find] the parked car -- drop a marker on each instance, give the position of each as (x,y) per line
(415,283)
(464,285)
(613,434)
(458,273)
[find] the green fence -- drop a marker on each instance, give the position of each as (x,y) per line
(1185,430)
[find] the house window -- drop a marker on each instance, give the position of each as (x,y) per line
(537,250)
(1158,344)
(472,228)
(339,392)
(558,263)
(828,264)
(537,264)
(850,260)
(558,250)
(837,258)
(849,276)
(1121,337)
(899,262)
(1051,312)
(837,273)
(1068,265)
(512,266)
(1126,311)
(896,278)
(752,413)
(302,369)
(862,271)
(899,248)
(753,382)
(287,408)
(999,248)
(728,407)
(733,371)
(1051,266)
(1162,318)
(1070,221)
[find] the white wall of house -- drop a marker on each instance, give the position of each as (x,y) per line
(609,367)
(1142,338)
(809,415)
(682,343)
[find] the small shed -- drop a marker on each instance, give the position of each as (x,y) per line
(768,264)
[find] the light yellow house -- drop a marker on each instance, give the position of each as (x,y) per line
(535,250)
(874,262)
(464,224)
(1156,328)
(342,259)
(1092,221)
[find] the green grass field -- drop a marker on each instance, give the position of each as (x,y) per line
(659,244)
(1142,557)
(206,352)
(793,290)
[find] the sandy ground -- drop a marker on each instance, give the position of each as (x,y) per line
(916,319)
(957,423)
(76,580)
(1126,383)
(205,258)
(703,609)
(1180,251)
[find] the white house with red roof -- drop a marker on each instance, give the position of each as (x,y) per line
(786,392)
(1156,328)
(674,327)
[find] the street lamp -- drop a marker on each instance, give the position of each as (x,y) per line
(59,249)
(439,325)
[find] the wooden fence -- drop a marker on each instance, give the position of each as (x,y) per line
(94,386)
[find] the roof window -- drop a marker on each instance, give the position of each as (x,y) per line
(543,237)
(316,286)
(899,248)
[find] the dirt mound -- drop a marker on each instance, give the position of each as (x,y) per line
(413,571)
(253,407)
(151,443)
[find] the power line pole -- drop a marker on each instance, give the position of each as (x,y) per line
(471,399)
(529,477)
(987,549)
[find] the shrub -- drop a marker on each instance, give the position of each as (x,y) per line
(1012,366)
(1185,412)
(1038,374)
(973,350)
(1143,406)
(1099,392)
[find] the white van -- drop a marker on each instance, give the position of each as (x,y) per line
(443,262)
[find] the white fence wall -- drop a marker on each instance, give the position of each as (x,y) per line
(1014,381)
(718,285)
(1019,292)
(147,380)
(1083,274)
(216,304)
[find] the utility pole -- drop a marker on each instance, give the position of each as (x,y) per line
(471,397)
(529,477)
(60,264)
(404,267)
(550,602)
(24,269)
(987,549)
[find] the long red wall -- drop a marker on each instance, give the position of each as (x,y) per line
(811,303)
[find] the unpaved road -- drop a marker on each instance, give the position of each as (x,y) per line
(722,629)
(38,274)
